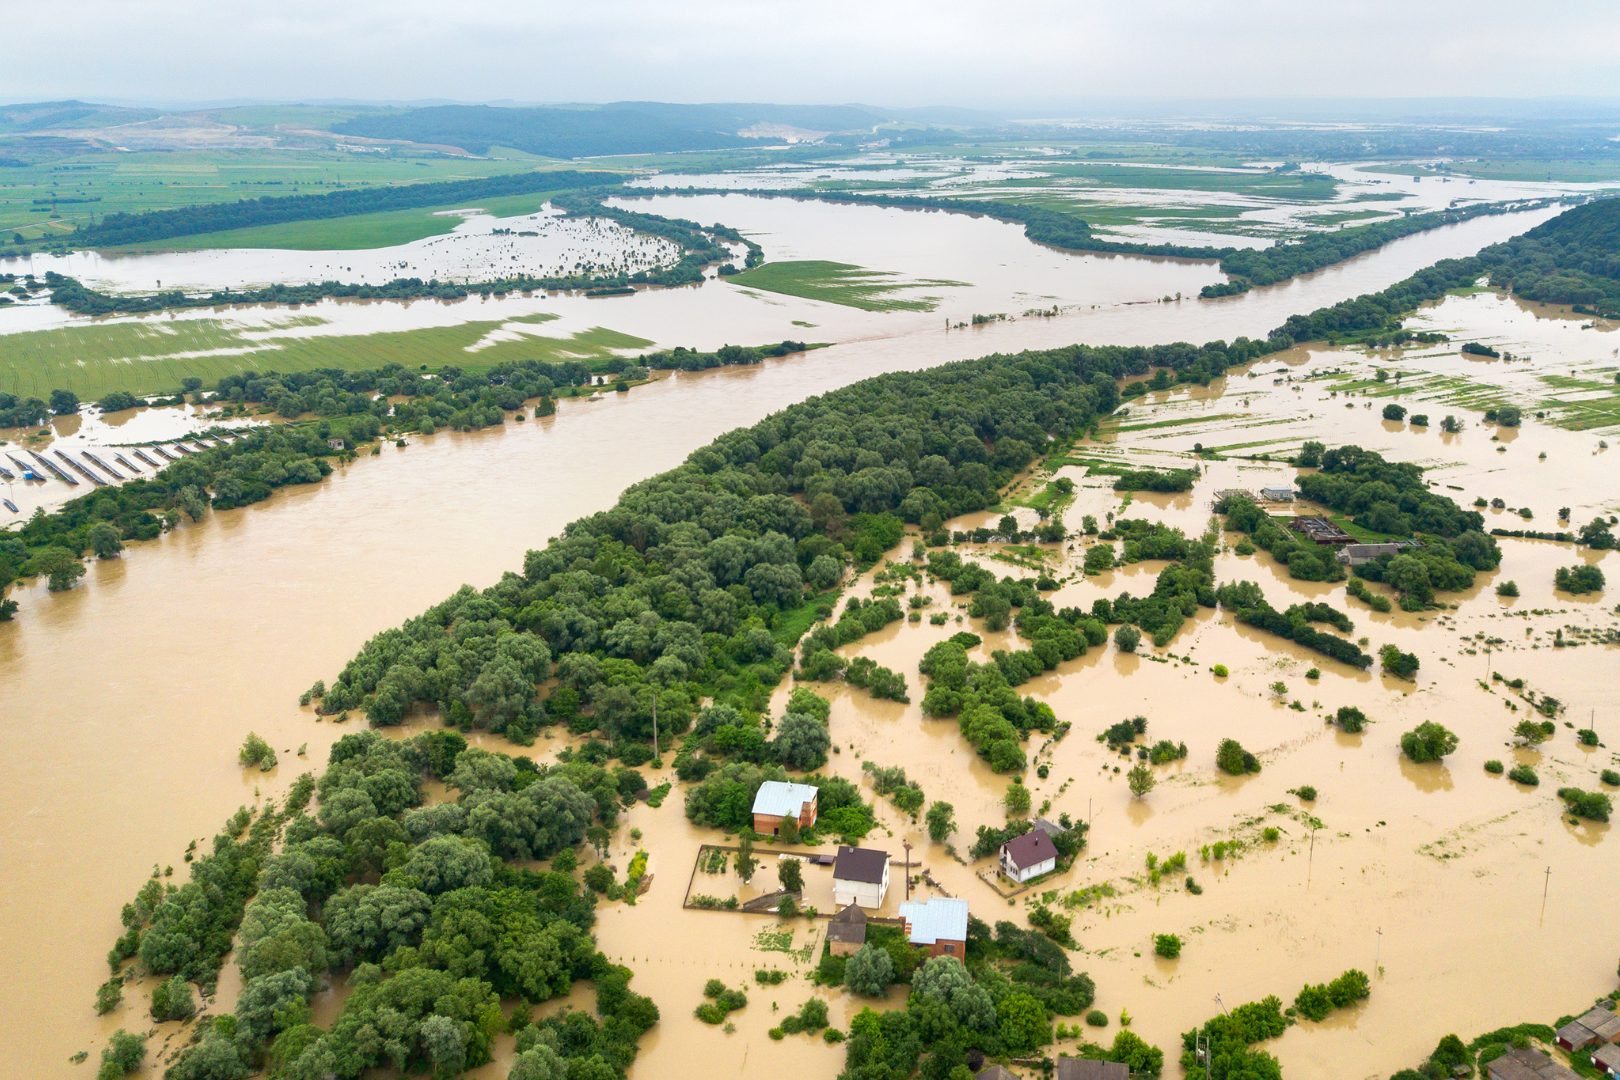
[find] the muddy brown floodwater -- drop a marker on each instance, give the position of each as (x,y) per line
(127,697)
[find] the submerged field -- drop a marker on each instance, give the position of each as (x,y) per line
(842,283)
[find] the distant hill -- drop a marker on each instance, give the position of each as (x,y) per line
(50,115)
(558,133)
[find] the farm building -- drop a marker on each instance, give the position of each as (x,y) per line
(1607,1058)
(1028,856)
(939,924)
(1598,1025)
(1277,494)
(777,800)
(860,876)
(846,931)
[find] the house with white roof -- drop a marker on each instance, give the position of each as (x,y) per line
(777,800)
(939,924)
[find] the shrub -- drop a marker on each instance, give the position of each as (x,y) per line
(1193,887)
(1508,588)
(1576,580)
(1097,1018)
(1350,718)
(1219,671)
(1306,792)
(1393,411)
(1493,766)
(1593,805)
(171,1000)
(1349,988)
(1140,780)
(1610,777)
(1017,799)
(1586,737)
(1524,774)
(255,751)
(1402,665)
(1270,834)
(1313,1002)
(769,977)
(1233,759)
(1127,637)
(1428,741)
(1167,946)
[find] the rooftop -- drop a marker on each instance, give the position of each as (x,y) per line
(848,925)
(780,799)
(1601,1022)
(861,864)
(1069,1068)
(1608,1055)
(1050,828)
(1528,1064)
(1030,849)
(936,919)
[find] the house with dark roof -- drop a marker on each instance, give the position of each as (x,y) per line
(1528,1064)
(846,931)
(1069,1068)
(1598,1025)
(939,924)
(860,876)
(996,1072)
(1028,856)
(1607,1059)
(777,800)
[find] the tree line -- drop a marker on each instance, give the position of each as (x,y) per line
(117,230)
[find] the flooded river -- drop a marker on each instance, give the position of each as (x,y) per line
(130,694)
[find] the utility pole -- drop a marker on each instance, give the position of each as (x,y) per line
(1377,952)
(907,845)
(1546,884)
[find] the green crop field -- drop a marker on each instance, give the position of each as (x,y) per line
(152,356)
(840,283)
(68,191)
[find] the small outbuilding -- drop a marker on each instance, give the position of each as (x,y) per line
(1598,1025)
(860,876)
(846,931)
(1050,828)
(996,1072)
(938,924)
(335,444)
(1028,856)
(1070,1068)
(777,800)
(1277,494)
(1360,554)
(1607,1059)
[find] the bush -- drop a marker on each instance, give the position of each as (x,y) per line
(1127,637)
(1524,774)
(1508,588)
(1610,777)
(1233,759)
(1167,946)
(171,1000)
(1493,766)
(1576,580)
(1428,741)
(1097,1018)
(1402,665)
(1017,799)
(1393,411)
(1219,671)
(255,751)
(1306,792)
(122,1055)
(599,878)
(1593,805)
(1350,718)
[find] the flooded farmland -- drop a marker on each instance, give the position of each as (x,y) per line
(132,692)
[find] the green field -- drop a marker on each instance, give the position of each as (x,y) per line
(840,283)
(1530,169)
(151,356)
(69,190)
(360,231)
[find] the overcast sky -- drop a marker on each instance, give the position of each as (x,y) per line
(1018,55)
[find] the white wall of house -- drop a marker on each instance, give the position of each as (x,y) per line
(1028,872)
(862,893)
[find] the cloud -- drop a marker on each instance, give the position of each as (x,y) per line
(901,53)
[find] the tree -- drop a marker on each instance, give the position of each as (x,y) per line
(367,922)
(1022,1023)
(256,752)
(1533,731)
(870,971)
(272,1003)
(1594,805)
(1403,665)
(801,742)
(790,874)
(540,1062)
(1574,580)
(442,863)
(746,863)
(1017,798)
(104,540)
(941,820)
(1428,741)
(1167,946)
(60,565)
(1231,758)
(1351,719)
(215,1058)
(1393,411)
(600,839)
(1140,779)
(824,572)
(1099,557)
(172,1000)
(944,979)
(1127,637)
(122,1055)
(64,402)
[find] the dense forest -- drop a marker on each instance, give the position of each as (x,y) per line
(421,907)
(116,230)
(1572,259)
(700,245)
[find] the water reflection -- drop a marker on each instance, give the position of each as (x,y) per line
(1428,777)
